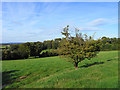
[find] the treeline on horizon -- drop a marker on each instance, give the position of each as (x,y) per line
(34,49)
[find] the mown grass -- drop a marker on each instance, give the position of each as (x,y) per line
(55,72)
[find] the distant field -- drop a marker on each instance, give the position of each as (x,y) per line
(3,46)
(55,72)
(43,51)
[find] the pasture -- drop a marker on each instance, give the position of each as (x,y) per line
(55,72)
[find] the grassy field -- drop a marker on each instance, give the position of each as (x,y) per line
(55,72)
(3,46)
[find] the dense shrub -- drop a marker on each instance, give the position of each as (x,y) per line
(6,54)
(35,48)
(108,44)
(15,52)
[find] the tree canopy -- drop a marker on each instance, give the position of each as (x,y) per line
(78,47)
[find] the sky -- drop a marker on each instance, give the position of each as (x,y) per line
(39,21)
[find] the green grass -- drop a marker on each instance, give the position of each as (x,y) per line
(55,72)
(3,46)
(43,51)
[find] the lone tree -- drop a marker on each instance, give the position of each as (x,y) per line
(78,47)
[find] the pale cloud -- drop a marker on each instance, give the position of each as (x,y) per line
(98,22)
(89,29)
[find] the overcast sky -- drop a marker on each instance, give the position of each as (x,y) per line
(39,21)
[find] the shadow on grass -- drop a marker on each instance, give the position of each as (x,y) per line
(8,77)
(109,60)
(95,63)
(32,57)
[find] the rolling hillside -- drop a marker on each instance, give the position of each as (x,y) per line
(55,72)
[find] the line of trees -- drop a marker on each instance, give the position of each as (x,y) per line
(110,44)
(30,49)
(34,49)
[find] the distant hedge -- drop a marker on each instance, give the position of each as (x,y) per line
(49,48)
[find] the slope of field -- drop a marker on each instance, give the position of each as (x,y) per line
(55,72)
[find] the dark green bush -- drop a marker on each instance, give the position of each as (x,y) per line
(15,52)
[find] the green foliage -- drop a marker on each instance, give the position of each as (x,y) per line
(79,47)
(51,44)
(15,52)
(23,51)
(6,54)
(109,44)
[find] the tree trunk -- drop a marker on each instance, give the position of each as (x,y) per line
(76,65)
